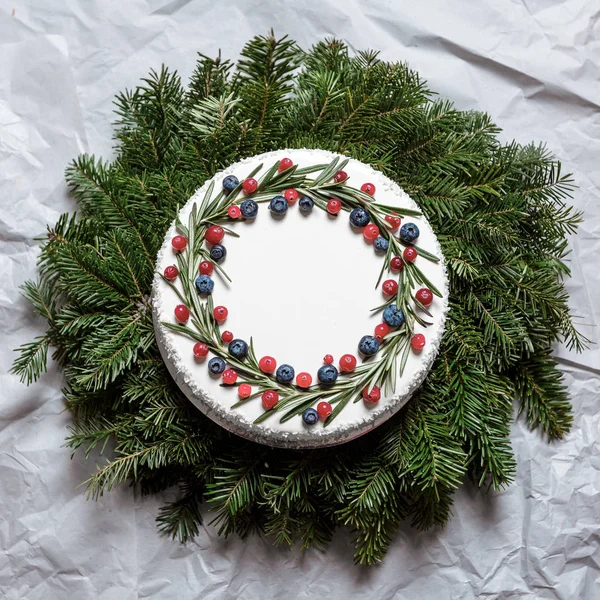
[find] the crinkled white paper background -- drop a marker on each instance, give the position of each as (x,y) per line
(534,65)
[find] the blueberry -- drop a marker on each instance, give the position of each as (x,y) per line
(204,284)
(238,348)
(216,365)
(359,217)
(218,252)
(230,183)
(278,205)
(249,209)
(409,232)
(327,374)
(393,316)
(310,416)
(305,204)
(381,244)
(285,374)
(368,345)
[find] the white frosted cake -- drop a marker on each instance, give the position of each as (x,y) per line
(333,313)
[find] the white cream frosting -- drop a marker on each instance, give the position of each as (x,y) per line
(302,287)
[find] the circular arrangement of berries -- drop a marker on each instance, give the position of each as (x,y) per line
(300,298)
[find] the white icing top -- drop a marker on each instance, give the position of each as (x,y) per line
(302,287)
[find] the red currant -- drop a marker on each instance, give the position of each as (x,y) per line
(303,380)
(373,396)
(220,314)
(324,409)
(328,359)
(234,212)
(417,342)
(410,254)
(182,313)
(267,364)
(334,206)
(370,232)
(394,222)
(368,188)
(206,267)
(347,363)
(396,264)
(171,273)
(244,391)
(229,377)
(381,331)
(200,350)
(424,296)
(340,176)
(269,399)
(291,195)
(214,234)
(249,185)
(179,243)
(389,287)
(284,163)
(227,336)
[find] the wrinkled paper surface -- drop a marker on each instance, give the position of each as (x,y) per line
(533,65)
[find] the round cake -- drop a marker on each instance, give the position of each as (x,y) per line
(300,298)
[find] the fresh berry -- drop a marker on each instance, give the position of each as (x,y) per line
(267,364)
(328,359)
(200,350)
(291,195)
(270,398)
(409,232)
(373,396)
(220,314)
(417,342)
(249,209)
(368,188)
(278,205)
(310,416)
(306,204)
(393,316)
(179,243)
(368,345)
(250,185)
(285,374)
(327,374)
(304,380)
(171,273)
(381,244)
(389,287)
(371,232)
(334,206)
(229,377)
(238,349)
(381,331)
(244,391)
(359,217)
(216,365)
(182,313)
(396,264)
(230,183)
(347,363)
(227,336)
(284,163)
(234,212)
(340,176)
(206,267)
(218,252)
(424,296)
(324,409)
(214,234)
(204,284)
(410,254)
(394,222)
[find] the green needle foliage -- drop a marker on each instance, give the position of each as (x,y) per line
(499,212)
